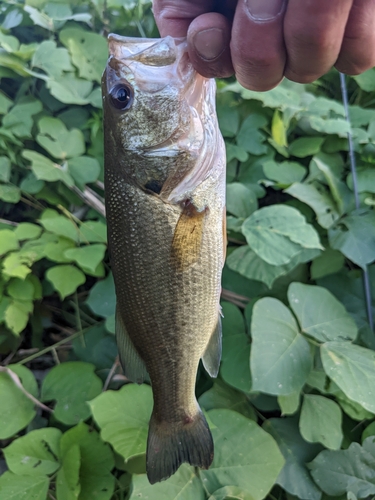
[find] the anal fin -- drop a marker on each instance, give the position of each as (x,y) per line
(212,354)
(132,364)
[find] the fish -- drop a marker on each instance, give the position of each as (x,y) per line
(165,205)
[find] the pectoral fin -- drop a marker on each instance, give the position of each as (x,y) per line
(187,239)
(132,364)
(212,355)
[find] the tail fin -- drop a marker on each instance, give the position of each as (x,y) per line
(170,445)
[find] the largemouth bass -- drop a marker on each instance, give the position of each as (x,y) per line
(165,203)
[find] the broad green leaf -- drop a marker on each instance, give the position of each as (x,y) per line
(9,193)
(70,90)
(294,477)
(320,314)
(278,129)
(183,485)
(284,173)
(8,241)
(4,169)
(223,396)
(55,250)
(338,472)
(27,231)
(30,184)
(5,103)
(241,201)
(102,297)
(249,137)
(320,421)
(35,454)
(68,486)
(280,358)
(340,191)
(352,368)
(365,180)
(350,407)
(366,80)
(89,52)
(44,169)
(59,224)
(20,289)
(58,140)
(319,199)
(369,431)
(15,487)
(306,146)
(96,462)
(277,233)
(231,493)
(338,126)
(123,417)
(39,18)
(96,346)
(65,279)
(19,119)
(16,265)
(93,232)
(84,170)
(52,60)
(229,118)
(234,435)
(329,262)
(17,315)
(16,410)
(289,403)
(354,236)
(87,257)
(71,385)
(235,369)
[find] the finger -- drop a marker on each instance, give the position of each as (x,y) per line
(358,47)
(208,41)
(313,33)
(173,17)
(257,46)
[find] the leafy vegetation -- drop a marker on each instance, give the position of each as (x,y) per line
(293,410)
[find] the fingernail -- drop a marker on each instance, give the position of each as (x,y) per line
(264,10)
(209,43)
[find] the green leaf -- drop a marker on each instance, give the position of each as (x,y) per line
(294,477)
(183,485)
(354,236)
(20,289)
(365,180)
(71,385)
(338,126)
(37,453)
(234,151)
(67,481)
(17,315)
(369,431)
(15,487)
(280,358)
(44,169)
(329,262)
(338,472)
(97,462)
(39,18)
(87,257)
(320,314)
(27,231)
(102,297)
(235,369)
(89,52)
(70,90)
(19,119)
(289,403)
(5,103)
(52,60)
(4,169)
(65,279)
(319,199)
(16,265)
(55,250)
(278,129)
(249,137)
(277,233)
(8,241)
(123,417)
(59,224)
(30,184)
(320,421)
(241,201)
(10,194)
(58,140)
(253,472)
(229,119)
(223,396)
(284,173)
(352,368)
(306,146)
(231,493)
(366,80)
(84,170)
(16,410)
(93,232)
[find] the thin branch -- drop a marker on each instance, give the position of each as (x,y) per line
(91,198)
(234,298)
(111,374)
(8,222)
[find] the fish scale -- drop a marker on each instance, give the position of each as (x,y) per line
(166,248)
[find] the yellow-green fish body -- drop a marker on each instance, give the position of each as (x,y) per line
(165,202)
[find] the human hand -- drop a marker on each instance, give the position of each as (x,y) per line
(263,40)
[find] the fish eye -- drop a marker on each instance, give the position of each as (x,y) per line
(121,96)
